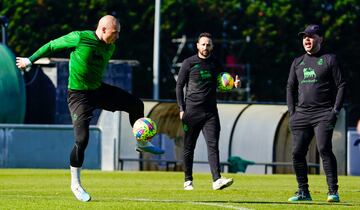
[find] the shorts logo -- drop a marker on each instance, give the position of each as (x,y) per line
(185,127)
(74,117)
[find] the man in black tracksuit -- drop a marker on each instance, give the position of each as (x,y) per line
(198,109)
(315,95)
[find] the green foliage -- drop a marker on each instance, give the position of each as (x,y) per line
(33,23)
(272,27)
(50,189)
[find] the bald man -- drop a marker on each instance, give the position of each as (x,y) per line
(90,53)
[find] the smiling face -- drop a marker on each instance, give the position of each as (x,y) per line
(204,47)
(312,43)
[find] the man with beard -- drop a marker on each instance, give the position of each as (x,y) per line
(315,95)
(198,109)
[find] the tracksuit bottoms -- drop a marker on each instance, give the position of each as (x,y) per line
(82,103)
(304,126)
(208,122)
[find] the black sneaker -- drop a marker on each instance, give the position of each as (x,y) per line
(301,196)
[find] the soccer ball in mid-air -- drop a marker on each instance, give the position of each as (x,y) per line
(225,82)
(144,129)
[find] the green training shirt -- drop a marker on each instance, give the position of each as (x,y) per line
(88,59)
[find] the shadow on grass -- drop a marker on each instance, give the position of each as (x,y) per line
(286,203)
(313,203)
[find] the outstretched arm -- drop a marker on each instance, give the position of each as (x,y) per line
(65,42)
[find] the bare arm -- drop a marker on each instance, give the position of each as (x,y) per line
(65,42)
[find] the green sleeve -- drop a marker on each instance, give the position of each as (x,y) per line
(62,43)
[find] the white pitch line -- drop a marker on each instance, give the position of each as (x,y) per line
(143,200)
(190,202)
(220,205)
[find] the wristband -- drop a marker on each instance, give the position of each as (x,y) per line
(27,64)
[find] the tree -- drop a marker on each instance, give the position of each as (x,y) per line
(272,27)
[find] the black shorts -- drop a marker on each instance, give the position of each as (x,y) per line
(83,102)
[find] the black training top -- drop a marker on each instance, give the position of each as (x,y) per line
(318,83)
(200,77)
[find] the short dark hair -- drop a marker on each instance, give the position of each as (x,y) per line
(204,34)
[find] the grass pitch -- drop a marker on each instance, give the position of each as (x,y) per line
(50,189)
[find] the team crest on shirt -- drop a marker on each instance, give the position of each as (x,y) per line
(320,62)
(309,75)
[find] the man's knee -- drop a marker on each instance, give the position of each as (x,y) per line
(324,150)
(137,106)
(298,154)
(81,138)
(81,144)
